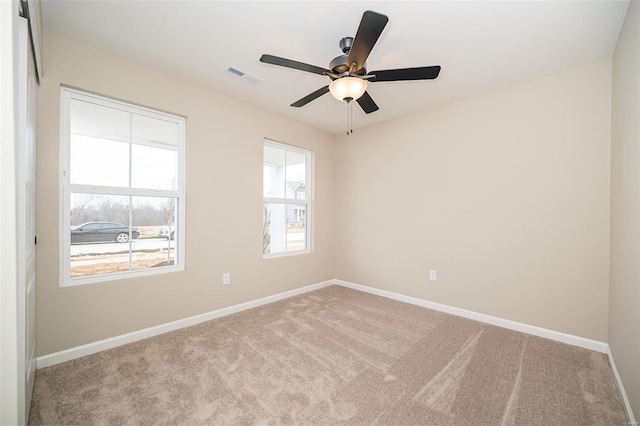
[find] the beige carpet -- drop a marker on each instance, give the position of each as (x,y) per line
(333,356)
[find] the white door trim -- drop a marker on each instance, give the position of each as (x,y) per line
(10,406)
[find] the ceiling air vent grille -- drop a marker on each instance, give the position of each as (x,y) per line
(250,78)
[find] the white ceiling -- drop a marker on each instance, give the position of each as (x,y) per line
(481,45)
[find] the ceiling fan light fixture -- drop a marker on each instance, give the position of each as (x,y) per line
(348,88)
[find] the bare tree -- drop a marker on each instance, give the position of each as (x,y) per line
(147,215)
(81,211)
(111,209)
(168,210)
(266,231)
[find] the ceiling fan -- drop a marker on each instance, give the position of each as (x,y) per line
(348,71)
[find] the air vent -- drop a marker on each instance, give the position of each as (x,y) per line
(250,78)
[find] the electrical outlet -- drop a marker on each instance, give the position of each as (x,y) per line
(226,278)
(432,275)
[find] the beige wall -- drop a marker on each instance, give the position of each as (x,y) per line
(506,195)
(223,211)
(624,293)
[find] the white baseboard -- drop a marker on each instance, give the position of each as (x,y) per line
(627,404)
(112,342)
(570,339)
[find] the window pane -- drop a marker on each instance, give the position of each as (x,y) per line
(99,145)
(99,121)
(153,131)
(100,234)
(102,242)
(296,175)
(155,218)
(284,228)
(274,225)
(96,161)
(153,168)
(296,227)
(273,183)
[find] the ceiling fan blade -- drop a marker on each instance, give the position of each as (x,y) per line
(367,104)
(288,63)
(405,74)
(369,31)
(310,97)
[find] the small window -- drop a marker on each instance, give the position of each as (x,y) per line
(122,190)
(286,209)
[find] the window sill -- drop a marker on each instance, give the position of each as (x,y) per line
(286,254)
(120,276)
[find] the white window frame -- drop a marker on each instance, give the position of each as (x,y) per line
(308,202)
(66,188)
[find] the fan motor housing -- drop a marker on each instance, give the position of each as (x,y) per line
(339,64)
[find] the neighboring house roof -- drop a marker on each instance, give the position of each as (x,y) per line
(295,184)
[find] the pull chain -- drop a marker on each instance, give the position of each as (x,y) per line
(350,127)
(349,117)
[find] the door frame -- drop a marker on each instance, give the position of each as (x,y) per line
(17,59)
(11,408)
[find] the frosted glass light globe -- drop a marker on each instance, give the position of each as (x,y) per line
(348,88)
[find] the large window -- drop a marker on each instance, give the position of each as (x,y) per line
(122,190)
(286,210)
